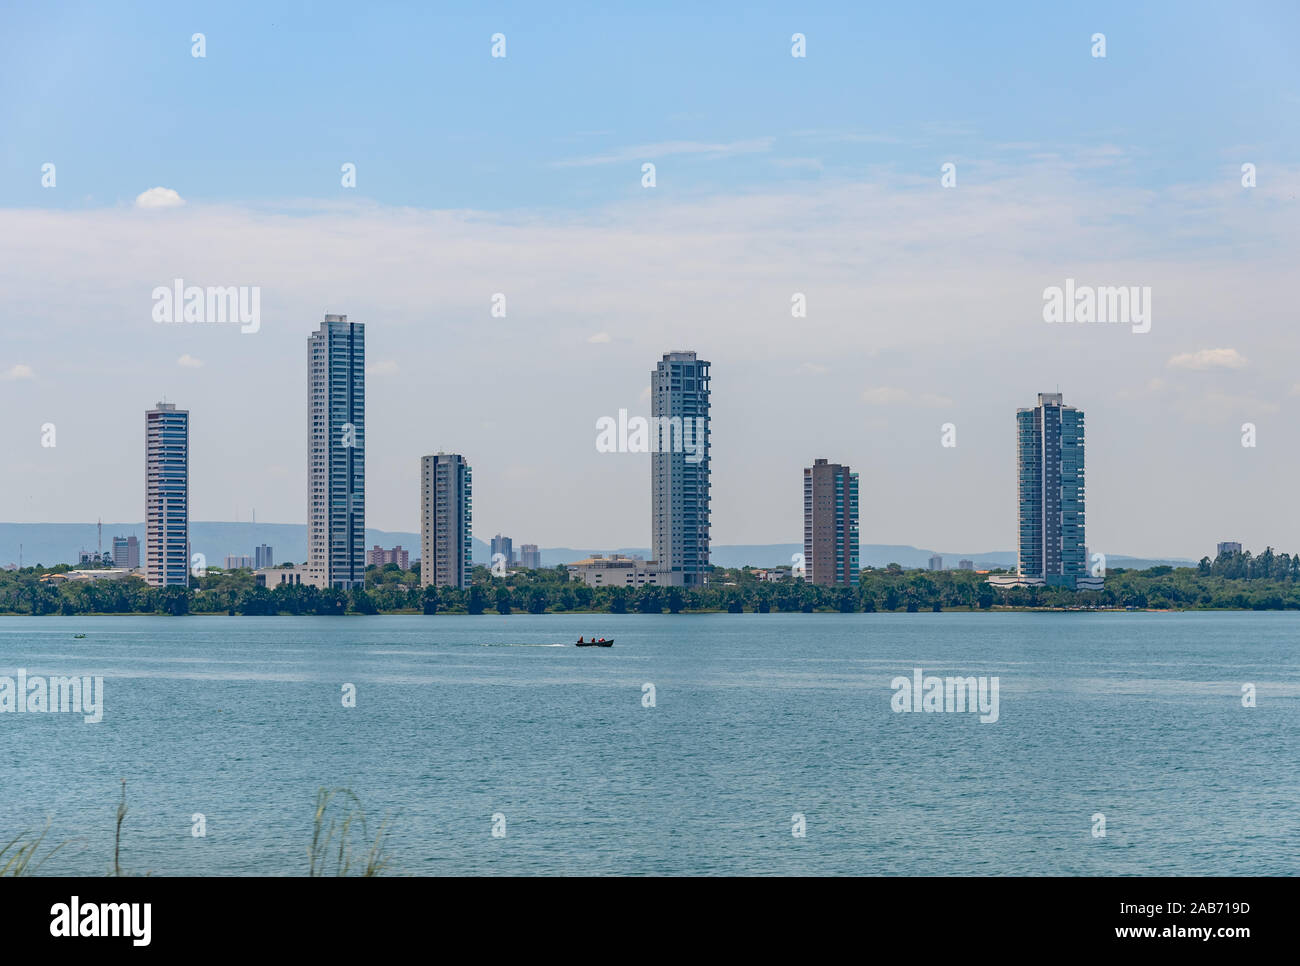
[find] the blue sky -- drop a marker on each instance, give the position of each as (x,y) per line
(409,93)
(775,175)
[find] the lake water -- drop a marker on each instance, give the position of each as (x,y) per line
(757,717)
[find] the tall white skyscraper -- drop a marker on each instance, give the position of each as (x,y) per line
(167,496)
(336,454)
(679,468)
(446,518)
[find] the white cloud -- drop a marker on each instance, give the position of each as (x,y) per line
(663,149)
(18,371)
(159,198)
(599,338)
(813,369)
(188,361)
(1209,359)
(890,396)
(386,368)
(910,286)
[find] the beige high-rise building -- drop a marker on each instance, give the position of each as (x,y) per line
(830,524)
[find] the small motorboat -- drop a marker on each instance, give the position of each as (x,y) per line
(600,643)
(77,637)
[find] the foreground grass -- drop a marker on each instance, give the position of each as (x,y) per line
(341,844)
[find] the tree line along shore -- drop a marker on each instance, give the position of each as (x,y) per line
(1232,582)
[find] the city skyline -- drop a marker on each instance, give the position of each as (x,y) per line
(1032,436)
(922,305)
(450,557)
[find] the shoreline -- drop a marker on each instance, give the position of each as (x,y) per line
(998,609)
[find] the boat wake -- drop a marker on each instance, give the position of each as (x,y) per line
(520,644)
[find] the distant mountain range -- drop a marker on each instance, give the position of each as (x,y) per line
(55,543)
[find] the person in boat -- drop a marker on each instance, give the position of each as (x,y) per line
(579,640)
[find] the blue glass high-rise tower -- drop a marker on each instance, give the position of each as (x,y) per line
(679,468)
(1050,466)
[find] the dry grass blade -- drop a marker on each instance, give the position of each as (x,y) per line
(20,854)
(333,830)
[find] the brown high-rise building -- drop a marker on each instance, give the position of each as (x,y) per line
(830,524)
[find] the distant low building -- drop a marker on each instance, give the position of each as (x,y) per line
(377,556)
(936,562)
(1008,581)
(263,556)
(965,564)
(617,570)
(126,552)
(103,573)
(273,577)
(530,556)
(505,547)
(1229,547)
(239,562)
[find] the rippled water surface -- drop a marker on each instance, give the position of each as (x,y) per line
(758,717)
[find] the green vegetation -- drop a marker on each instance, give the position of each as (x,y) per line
(1269,581)
(17,855)
(338,816)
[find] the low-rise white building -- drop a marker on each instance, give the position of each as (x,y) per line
(617,570)
(1008,581)
(100,573)
(273,577)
